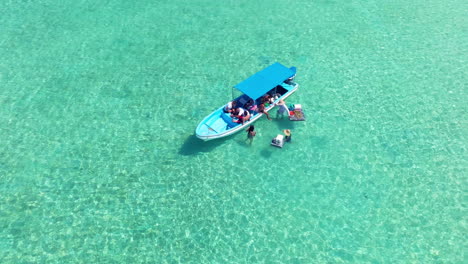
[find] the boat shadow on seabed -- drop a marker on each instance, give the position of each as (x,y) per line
(193,145)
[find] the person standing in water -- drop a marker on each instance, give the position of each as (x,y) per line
(287,134)
(251,133)
(282,109)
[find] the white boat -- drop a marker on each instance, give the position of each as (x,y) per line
(276,80)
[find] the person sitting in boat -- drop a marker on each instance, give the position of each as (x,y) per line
(230,107)
(261,109)
(241,115)
(245,117)
(250,105)
(267,99)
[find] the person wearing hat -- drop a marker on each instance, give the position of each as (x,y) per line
(287,134)
(282,108)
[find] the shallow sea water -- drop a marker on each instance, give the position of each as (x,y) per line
(99,162)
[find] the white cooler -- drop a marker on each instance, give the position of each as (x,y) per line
(278,141)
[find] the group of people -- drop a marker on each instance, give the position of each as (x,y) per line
(239,114)
(243,114)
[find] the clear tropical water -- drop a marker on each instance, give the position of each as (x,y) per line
(99,101)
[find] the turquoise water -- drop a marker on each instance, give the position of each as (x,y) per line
(99,162)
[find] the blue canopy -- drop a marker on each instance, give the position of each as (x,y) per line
(265,80)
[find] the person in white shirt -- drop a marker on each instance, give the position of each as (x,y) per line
(230,107)
(241,115)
